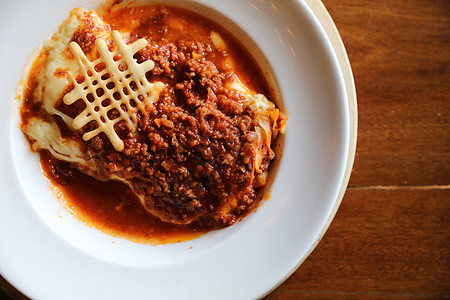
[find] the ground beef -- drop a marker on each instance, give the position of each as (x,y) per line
(191,157)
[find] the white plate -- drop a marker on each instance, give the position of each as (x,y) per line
(46,254)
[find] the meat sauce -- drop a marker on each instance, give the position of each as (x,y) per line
(111,206)
(163,23)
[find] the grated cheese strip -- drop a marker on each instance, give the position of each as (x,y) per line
(119,87)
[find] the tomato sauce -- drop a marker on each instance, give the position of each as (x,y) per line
(111,206)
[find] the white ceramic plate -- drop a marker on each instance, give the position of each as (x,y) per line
(47,254)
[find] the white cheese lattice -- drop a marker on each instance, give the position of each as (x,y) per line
(113,82)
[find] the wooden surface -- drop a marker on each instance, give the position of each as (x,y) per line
(391,236)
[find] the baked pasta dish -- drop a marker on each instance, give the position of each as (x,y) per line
(160,99)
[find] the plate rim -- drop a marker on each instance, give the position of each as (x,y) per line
(324,18)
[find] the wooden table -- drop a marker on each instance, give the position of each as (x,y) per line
(391,236)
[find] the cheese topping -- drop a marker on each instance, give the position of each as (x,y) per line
(170,118)
(115,81)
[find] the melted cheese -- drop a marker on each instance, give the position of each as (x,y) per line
(267,115)
(120,80)
(45,134)
(50,87)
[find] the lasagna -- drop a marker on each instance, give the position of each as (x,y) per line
(161,100)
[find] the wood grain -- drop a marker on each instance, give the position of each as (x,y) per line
(391,236)
(381,243)
(400,55)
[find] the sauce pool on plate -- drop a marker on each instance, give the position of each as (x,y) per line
(112,206)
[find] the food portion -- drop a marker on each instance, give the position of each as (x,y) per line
(161,100)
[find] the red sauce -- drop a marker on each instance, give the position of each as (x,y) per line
(111,206)
(180,24)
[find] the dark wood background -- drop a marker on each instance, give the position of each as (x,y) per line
(391,236)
